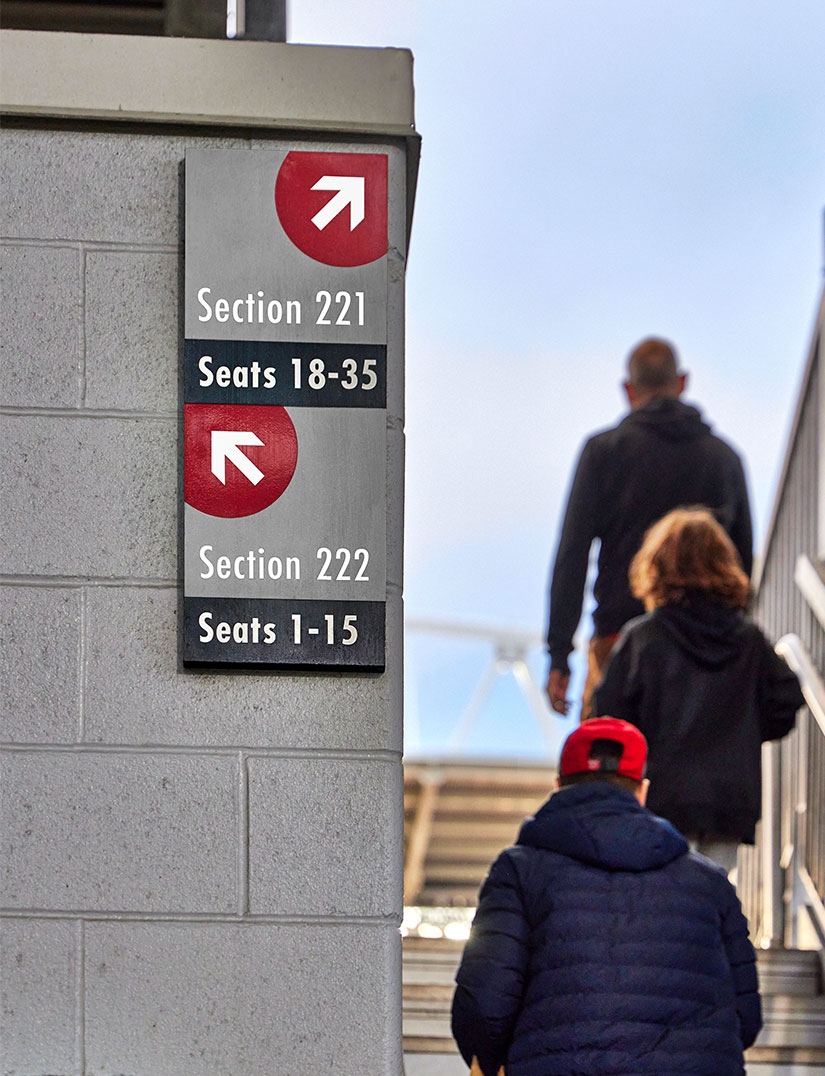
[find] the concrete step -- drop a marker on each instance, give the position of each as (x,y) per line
(790,972)
(793,1021)
(791,1042)
(438,1064)
(430,962)
(789,1063)
(779,1061)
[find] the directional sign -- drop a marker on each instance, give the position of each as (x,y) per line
(287,357)
(347,228)
(238,460)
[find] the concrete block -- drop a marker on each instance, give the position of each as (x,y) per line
(92,496)
(325,837)
(41,312)
(90,186)
(40,664)
(112,188)
(120,832)
(132,331)
(198,999)
(37,988)
(149,700)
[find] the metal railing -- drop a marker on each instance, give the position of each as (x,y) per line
(782,879)
(509,649)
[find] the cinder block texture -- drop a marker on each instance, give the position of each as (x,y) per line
(107,828)
(40,664)
(96,187)
(324,837)
(151,701)
(92,496)
(37,992)
(40,310)
(119,832)
(227,1000)
(132,331)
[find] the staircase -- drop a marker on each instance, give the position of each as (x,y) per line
(791,1043)
(792,1040)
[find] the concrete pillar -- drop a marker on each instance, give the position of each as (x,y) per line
(202,871)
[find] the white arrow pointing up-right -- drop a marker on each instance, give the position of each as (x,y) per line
(225,447)
(350,193)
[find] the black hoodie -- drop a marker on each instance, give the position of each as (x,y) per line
(660,456)
(706,688)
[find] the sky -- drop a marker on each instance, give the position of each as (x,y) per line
(592,172)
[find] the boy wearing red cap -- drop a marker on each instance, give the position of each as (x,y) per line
(602,946)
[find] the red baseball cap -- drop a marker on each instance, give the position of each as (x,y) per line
(630,749)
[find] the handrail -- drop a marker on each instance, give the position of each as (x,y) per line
(799,814)
(810,583)
(793,650)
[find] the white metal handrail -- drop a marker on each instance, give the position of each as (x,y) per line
(509,651)
(793,650)
(788,886)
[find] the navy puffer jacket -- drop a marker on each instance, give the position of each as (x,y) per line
(602,947)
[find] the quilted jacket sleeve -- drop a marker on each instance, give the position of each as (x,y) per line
(490,980)
(742,960)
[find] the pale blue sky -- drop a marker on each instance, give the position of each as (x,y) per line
(592,171)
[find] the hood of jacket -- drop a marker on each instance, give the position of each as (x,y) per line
(711,633)
(604,826)
(667,417)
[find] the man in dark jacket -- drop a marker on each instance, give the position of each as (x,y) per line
(601,945)
(660,456)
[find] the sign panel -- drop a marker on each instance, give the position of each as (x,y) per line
(284,405)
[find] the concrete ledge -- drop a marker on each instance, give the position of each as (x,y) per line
(194,81)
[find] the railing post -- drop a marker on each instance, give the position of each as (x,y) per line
(806,890)
(773,883)
(798,856)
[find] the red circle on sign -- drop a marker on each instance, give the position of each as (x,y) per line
(238,459)
(333,206)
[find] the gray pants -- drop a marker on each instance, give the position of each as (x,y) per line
(720,851)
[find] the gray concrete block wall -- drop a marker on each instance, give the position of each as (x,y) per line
(201,873)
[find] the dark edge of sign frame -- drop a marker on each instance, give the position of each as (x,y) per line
(225,669)
(181,545)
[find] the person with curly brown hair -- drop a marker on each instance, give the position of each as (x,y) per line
(701,681)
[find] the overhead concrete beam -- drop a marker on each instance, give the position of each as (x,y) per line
(198,81)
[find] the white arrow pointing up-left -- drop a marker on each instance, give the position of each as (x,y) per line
(350,193)
(225,447)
